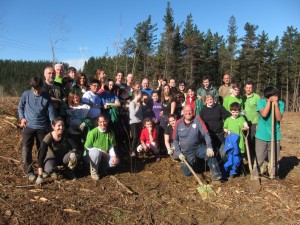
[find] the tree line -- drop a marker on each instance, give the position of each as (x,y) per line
(187,53)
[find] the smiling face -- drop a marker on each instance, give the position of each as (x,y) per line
(59,127)
(119,77)
(166,90)
(154,97)
(249,89)
(111,85)
(49,75)
(172,121)
(148,125)
(209,100)
(94,87)
(102,123)
(181,87)
(234,113)
(76,99)
(172,83)
(145,83)
(191,93)
(58,70)
(187,113)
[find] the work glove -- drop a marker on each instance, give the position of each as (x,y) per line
(181,157)
(209,152)
(72,161)
(82,126)
(170,151)
(39,181)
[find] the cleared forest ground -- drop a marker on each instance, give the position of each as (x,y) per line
(157,193)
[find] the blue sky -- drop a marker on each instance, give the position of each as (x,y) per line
(98,25)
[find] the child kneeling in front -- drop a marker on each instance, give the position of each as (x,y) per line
(148,139)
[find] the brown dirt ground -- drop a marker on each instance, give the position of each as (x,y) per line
(160,193)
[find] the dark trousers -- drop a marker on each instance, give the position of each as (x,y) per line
(28,137)
(136,129)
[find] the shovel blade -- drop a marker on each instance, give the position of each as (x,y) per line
(206,191)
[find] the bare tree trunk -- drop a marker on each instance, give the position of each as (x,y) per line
(287,93)
(296,94)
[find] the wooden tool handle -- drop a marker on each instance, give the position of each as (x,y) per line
(193,172)
(272,141)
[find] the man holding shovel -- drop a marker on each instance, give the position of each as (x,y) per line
(268,135)
(188,134)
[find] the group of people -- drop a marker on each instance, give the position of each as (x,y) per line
(75,122)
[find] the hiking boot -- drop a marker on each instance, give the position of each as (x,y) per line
(54,176)
(71,175)
(231,177)
(45,175)
(31,176)
(95,176)
(94,173)
(72,161)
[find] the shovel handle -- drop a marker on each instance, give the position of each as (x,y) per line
(193,172)
(272,140)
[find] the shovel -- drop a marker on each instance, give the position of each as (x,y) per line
(272,142)
(247,149)
(205,190)
(248,154)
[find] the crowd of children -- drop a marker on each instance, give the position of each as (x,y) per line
(138,120)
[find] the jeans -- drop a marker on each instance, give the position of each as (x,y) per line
(98,160)
(212,163)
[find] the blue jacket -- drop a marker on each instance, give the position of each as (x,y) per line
(231,149)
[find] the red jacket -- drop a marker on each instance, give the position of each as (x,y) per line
(145,135)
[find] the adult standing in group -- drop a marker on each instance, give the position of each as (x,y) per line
(71,72)
(92,99)
(146,87)
(100,73)
(100,149)
(233,97)
(81,85)
(214,115)
(59,73)
(187,136)
(168,104)
(249,104)
(119,80)
(181,87)
(224,90)
(129,83)
(172,84)
(35,112)
(55,91)
(207,88)
(111,105)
